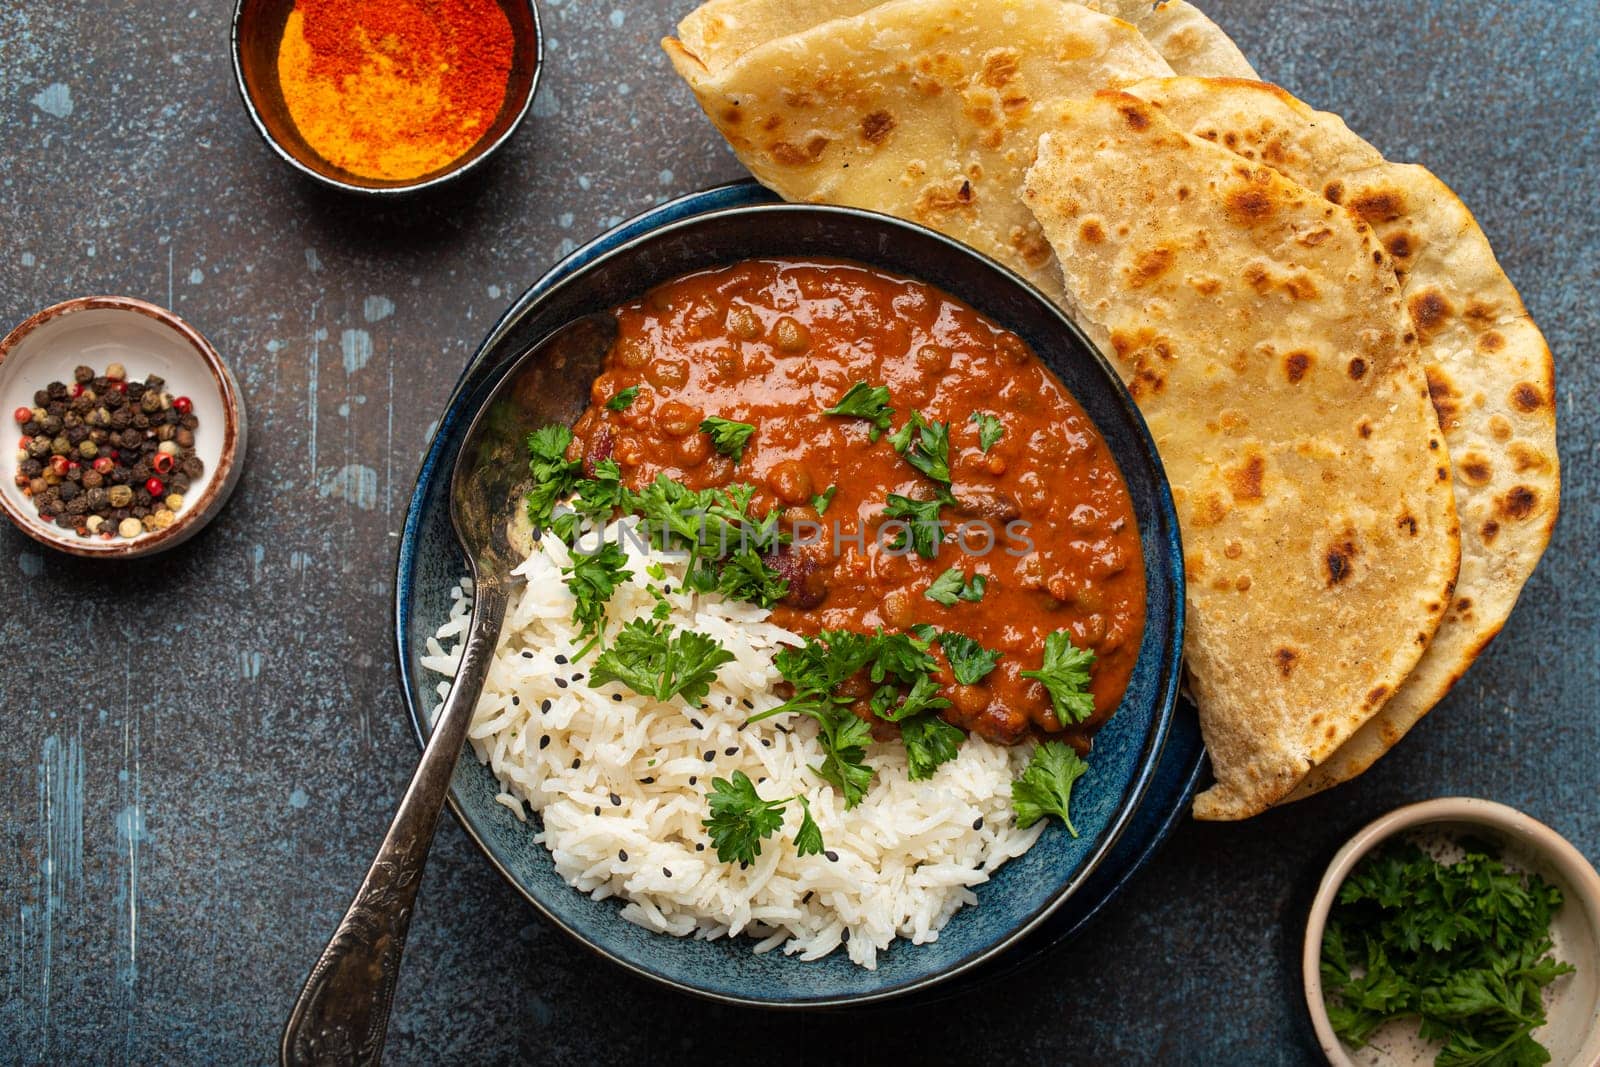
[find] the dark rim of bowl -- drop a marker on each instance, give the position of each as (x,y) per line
(408,188)
(1163,711)
(196,511)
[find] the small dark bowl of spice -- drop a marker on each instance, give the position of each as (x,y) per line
(130,432)
(386,96)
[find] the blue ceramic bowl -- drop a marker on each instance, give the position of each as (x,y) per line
(1129,752)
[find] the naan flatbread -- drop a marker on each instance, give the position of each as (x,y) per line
(1488,367)
(915,108)
(1261,331)
(1186,39)
(721,31)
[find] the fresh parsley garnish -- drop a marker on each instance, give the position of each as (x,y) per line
(1065,673)
(740,820)
(929,741)
(925,528)
(823,499)
(624,399)
(1465,947)
(1045,787)
(970,662)
(591,579)
(903,657)
(727,436)
(745,576)
(925,445)
(870,402)
(891,705)
(657,660)
(553,474)
(990,429)
(844,741)
(953,585)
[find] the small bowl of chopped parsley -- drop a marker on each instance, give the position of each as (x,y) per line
(1456,932)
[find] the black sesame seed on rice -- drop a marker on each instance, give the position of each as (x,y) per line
(597,809)
(807,898)
(544,740)
(977,824)
(622,854)
(667,871)
(699,846)
(561,683)
(576,762)
(516,701)
(844,938)
(527,655)
(617,697)
(616,801)
(697,724)
(544,707)
(693,779)
(833,857)
(744,865)
(577,676)
(766,742)
(731,750)
(710,754)
(561,661)
(647,781)
(746,703)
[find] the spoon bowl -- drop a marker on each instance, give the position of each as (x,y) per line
(342,1014)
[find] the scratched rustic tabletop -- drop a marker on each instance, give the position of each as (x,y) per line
(202,750)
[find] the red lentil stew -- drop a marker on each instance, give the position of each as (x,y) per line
(1038,534)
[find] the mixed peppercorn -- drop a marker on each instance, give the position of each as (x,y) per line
(107,457)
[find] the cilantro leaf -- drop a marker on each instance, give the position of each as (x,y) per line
(727,436)
(970,662)
(553,474)
(660,661)
(624,399)
(929,741)
(925,445)
(925,528)
(952,586)
(1065,673)
(990,429)
(739,818)
(591,579)
(823,499)
(1045,787)
(870,402)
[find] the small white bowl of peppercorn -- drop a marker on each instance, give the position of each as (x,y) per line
(129,430)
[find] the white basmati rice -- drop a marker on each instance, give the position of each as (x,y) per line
(619,781)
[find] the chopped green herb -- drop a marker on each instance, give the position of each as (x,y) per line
(922,516)
(553,474)
(727,436)
(929,741)
(624,399)
(591,579)
(904,657)
(823,499)
(925,445)
(870,402)
(990,429)
(1464,947)
(970,662)
(657,660)
(889,704)
(952,586)
(1065,673)
(1045,787)
(741,819)
(844,740)
(746,576)
(807,839)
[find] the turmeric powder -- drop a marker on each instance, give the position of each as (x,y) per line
(394,89)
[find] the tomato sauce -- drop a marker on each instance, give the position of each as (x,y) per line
(774,343)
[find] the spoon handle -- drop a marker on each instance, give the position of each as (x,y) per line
(343,1011)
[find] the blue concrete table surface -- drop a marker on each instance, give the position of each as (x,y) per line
(202,750)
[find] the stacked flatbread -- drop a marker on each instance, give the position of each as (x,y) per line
(1355,411)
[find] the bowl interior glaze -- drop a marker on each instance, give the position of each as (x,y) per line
(257,30)
(1026,890)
